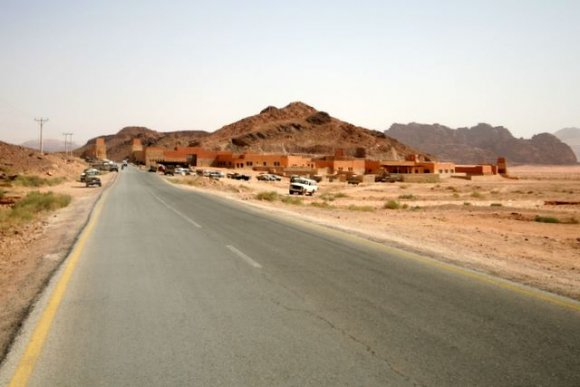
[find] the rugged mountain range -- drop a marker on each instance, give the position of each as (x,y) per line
(482,143)
(570,136)
(296,128)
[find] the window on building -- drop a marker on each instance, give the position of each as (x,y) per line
(264,163)
(350,169)
(276,163)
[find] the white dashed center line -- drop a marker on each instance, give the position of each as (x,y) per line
(177,212)
(248,260)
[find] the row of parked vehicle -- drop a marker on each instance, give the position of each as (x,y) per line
(268,177)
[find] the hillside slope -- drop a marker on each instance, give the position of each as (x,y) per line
(16,160)
(482,143)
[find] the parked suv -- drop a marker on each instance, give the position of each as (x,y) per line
(302,186)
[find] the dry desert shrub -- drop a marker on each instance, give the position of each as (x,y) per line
(292,200)
(37,181)
(30,206)
(352,207)
(393,205)
(270,196)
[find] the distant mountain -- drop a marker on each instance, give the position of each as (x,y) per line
(570,136)
(482,143)
(48,145)
(296,128)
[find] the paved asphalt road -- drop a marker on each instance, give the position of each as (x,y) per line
(177,288)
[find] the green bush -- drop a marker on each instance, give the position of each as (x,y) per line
(392,205)
(476,194)
(36,181)
(466,203)
(496,205)
(292,200)
(33,203)
(407,197)
(546,219)
(269,196)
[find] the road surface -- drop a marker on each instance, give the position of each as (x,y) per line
(178,288)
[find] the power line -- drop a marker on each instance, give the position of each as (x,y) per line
(41,121)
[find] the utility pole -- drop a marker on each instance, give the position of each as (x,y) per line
(67,143)
(41,121)
(70,145)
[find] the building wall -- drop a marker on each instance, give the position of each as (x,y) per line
(136,146)
(372,167)
(153,155)
(482,170)
(100,149)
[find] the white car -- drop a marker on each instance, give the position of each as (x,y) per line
(182,171)
(303,186)
(216,174)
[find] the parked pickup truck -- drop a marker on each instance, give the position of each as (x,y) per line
(303,186)
(91,181)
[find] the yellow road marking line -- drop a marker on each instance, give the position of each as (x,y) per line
(26,364)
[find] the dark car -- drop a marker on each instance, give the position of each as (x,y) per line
(239,176)
(91,181)
(264,177)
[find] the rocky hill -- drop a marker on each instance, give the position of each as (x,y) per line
(570,136)
(296,128)
(18,160)
(482,143)
(299,128)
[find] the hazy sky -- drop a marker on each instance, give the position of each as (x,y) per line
(93,67)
